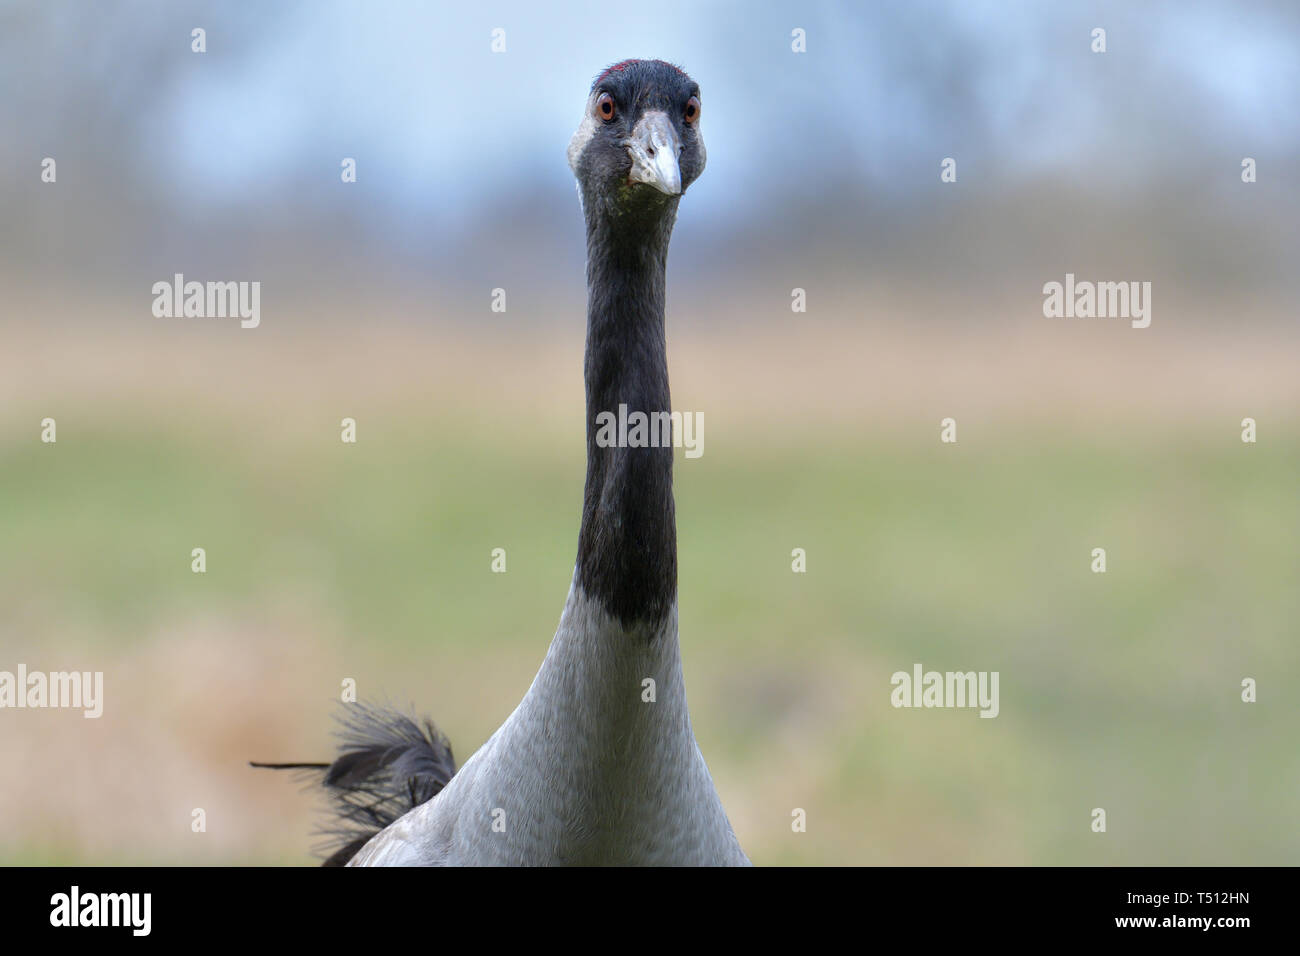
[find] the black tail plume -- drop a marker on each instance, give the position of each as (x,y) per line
(388,764)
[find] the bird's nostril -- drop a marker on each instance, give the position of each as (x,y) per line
(650,151)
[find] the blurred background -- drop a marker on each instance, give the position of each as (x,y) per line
(371,561)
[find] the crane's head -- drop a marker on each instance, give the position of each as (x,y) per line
(639,142)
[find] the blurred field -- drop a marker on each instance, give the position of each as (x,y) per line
(328,561)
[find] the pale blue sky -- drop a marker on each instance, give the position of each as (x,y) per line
(234,155)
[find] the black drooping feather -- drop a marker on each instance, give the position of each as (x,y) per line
(388,765)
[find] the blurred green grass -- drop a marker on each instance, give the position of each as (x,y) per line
(1118,690)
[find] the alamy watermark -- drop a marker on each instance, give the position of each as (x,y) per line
(37,689)
(948,689)
(130,910)
(651,430)
(208,300)
(1100,300)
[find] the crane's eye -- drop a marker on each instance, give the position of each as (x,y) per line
(605,107)
(692,109)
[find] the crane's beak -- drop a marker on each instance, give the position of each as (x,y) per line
(654,148)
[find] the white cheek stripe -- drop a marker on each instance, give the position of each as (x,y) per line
(586,130)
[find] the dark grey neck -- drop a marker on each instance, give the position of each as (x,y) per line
(627,547)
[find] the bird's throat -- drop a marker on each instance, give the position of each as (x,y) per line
(627,546)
